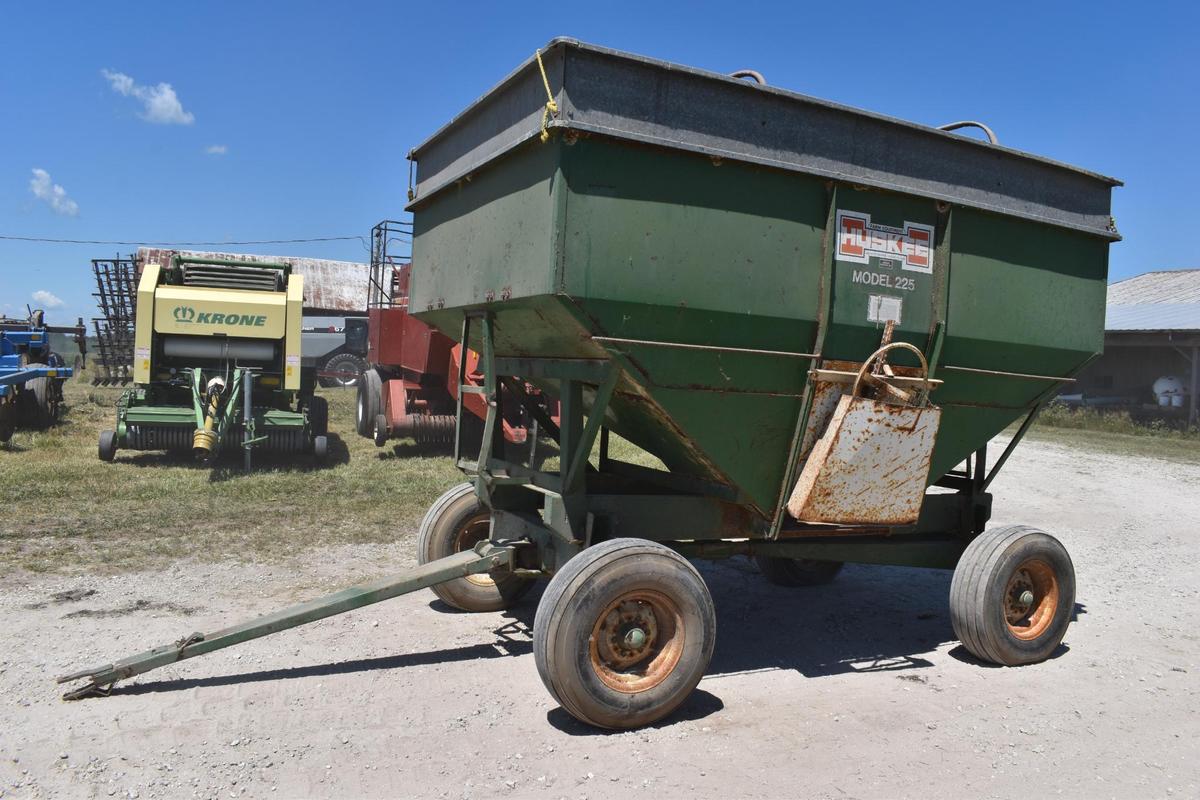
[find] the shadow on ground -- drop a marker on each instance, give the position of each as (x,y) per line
(871,619)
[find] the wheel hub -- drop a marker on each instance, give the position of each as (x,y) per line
(1031,599)
(637,641)
(473,532)
(630,632)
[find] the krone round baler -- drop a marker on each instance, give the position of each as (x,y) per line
(217,363)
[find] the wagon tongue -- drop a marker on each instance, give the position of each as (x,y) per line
(484,558)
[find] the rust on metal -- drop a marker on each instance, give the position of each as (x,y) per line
(870,464)
(870,467)
(330,287)
(1031,599)
(637,640)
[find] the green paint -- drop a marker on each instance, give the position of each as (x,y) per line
(563,241)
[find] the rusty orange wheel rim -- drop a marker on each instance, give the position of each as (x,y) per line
(474,531)
(637,641)
(1031,599)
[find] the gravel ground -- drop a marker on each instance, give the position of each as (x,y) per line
(857,689)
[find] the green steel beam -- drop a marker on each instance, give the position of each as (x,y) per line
(484,558)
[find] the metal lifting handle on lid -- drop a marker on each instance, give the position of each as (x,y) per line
(863,376)
(750,73)
(970,123)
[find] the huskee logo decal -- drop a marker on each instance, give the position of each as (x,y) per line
(858,239)
(187,314)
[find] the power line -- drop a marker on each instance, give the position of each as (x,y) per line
(43,240)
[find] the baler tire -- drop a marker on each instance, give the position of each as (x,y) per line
(368,403)
(454,523)
(40,409)
(320,449)
(586,670)
(108,445)
(381,430)
(990,618)
(318,415)
(795,572)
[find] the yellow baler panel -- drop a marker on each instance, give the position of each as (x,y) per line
(143,330)
(291,346)
(194,311)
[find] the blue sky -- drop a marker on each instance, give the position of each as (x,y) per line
(315,105)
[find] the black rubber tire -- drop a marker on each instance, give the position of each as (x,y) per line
(8,419)
(318,415)
(320,449)
(39,407)
(977,594)
(108,445)
(368,404)
(794,572)
(437,538)
(381,430)
(343,362)
(571,607)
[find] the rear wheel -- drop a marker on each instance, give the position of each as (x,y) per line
(797,571)
(108,445)
(624,633)
(457,521)
(318,415)
(1012,595)
(39,401)
(369,403)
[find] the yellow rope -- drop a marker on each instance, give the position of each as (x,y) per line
(551,106)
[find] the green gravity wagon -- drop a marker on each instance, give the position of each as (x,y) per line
(813,318)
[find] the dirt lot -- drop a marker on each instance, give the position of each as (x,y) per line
(857,689)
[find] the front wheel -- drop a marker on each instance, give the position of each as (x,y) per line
(624,633)
(1012,595)
(344,370)
(455,523)
(368,403)
(108,445)
(320,449)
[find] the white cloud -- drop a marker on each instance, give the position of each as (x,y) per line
(160,103)
(46,299)
(45,189)
(216,150)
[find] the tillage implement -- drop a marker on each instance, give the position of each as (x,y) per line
(815,318)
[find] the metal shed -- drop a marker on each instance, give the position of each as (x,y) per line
(1152,329)
(330,287)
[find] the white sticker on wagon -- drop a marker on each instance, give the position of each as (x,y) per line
(858,239)
(884,308)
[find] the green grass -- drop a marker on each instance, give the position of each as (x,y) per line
(66,511)
(1115,432)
